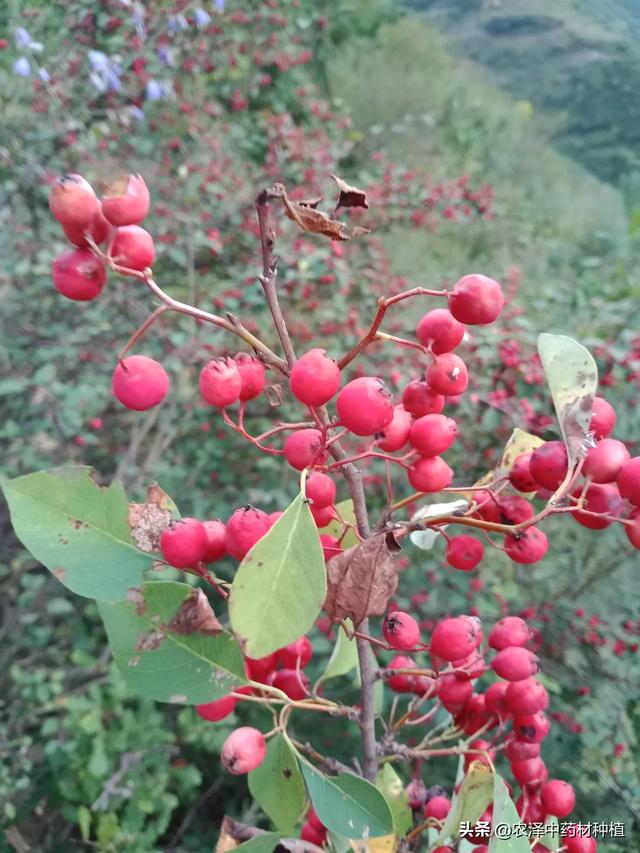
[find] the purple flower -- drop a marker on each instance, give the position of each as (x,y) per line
(138,22)
(154,91)
(21,37)
(165,55)
(98,60)
(177,23)
(201,18)
(137,113)
(22,67)
(219,6)
(43,74)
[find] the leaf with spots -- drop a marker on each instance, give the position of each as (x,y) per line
(169,645)
(149,519)
(78,529)
(572,376)
(475,794)
(277,785)
(505,814)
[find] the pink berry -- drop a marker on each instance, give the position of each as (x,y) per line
(633,530)
(530,773)
(430,474)
(531,728)
(133,248)
(78,274)
(447,375)
(216,546)
(330,546)
(314,820)
(320,489)
(514,509)
(216,710)
(510,631)
(259,669)
(417,794)
(246,526)
(527,696)
(73,201)
(437,807)
(440,331)
(314,378)
(419,399)
(527,547)
(364,406)
(220,382)
(396,433)
(453,692)
(252,375)
(139,383)
(604,461)
(604,499)
(495,699)
(603,418)
(323,515)
(243,750)
(401,682)
(296,654)
(578,843)
(97,229)
(456,637)
(401,630)
(629,480)
(558,798)
(519,750)
(548,464)
(432,435)
(126,200)
(476,300)
(520,476)
(515,663)
(304,448)
(295,684)
(464,552)
(183,543)
(312,835)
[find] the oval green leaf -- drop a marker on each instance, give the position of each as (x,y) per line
(280,585)
(277,786)
(347,512)
(572,376)
(396,796)
(168,645)
(344,657)
(347,804)
(475,794)
(78,530)
(505,814)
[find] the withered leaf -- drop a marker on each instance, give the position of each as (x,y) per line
(350,196)
(195,616)
(361,580)
(148,520)
(226,842)
(317,222)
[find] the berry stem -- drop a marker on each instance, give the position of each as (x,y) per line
(142,328)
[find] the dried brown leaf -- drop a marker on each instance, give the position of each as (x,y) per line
(315,221)
(195,616)
(350,196)
(226,842)
(148,520)
(361,580)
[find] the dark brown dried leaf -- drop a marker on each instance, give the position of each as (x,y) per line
(195,616)
(350,196)
(316,222)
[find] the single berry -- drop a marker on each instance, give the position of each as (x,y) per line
(558,798)
(580,842)
(488,507)
(527,547)
(314,820)
(73,201)
(453,692)
(216,540)
(476,300)
(323,515)
(243,750)
(447,375)
(604,499)
(514,509)
(133,248)
(510,631)
(530,773)
(246,526)
(430,474)
(548,464)
(603,418)
(97,229)
(292,682)
(416,794)
(401,682)
(304,448)
(432,435)
(495,699)
(633,530)
(604,461)
(455,637)
(364,406)
(440,331)
(330,546)
(78,274)
(419,399)
(629,480)
(220,382)
(401,630)
(464,552)
(139,383)
(183,543)
(126,200)
(527,696)
(252,375)
(396,433)
(520,476)
(296,654)
(216,710)
(314,378)
(531,728)
(515,663)
(320,489)
(311,835)
(259,669)
(437,807)
(519,750)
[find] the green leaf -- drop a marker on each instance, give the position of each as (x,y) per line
(347,804)
(551,840)
(572,376)
(78,530)
(336,528)
(277,785)
(280,585)
(505,814)
(475,794)
(161,642)
(344,657)
(265,843)
(84,822)
(396,796)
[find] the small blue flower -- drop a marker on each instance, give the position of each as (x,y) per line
(22,67)
(113,80)
(137,113)
(98,82)
(21,37)
(165,55)
(177,23)
(154,91)
(138,22)
(98,60)
(219,6)
(43,74)
(201,18)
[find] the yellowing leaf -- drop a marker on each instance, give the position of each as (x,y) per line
(386,844)
(519,442)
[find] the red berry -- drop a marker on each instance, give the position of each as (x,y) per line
(437,807)
(252,375)
(514,509)
(78,274)
(633,530)
(133,248)
(598,498)
(531,728)
(548,464)
(402,682)
(495,699)
(243,750)
(530,773)
(476,300)
(314,820)
(295,684)
(431,435)
(220,382)
(419,399)
(73,201)
(417,794)
(629,480)
(604,461)
(296,654)
(518,750)
(464,552)
(578,843)
(454,692)
(488,506)
(259,669)
(312,835)
(430,474)
(401,630)
(216,540)
(603,418)
(558,798)
(456,637)
(520,475)
(126,200)
(364,406)
(440,331)
(139,383)
(447,375)
(246,526)
(323,515)
(97,229)
(216,710)
(527,547)
(183,543)
(515,663)
(304,448)
(320,489)
(330,546)
(314,378)
(396,433)
(510,631)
